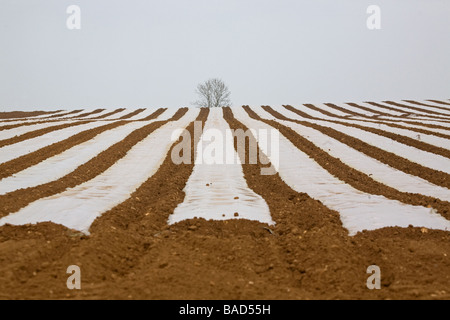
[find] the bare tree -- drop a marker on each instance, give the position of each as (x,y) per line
(213,93)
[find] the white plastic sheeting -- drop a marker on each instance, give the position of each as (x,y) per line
(355,109)
(358,210)
(42,118)
(319,115)
(312,112)
(218,191)
(95,115)
(11,123)
(19,149)
(11,133)
(427,138)
(445,113)
(78,207)
(420,124)
(59,113)
(416,113)
(424,158)
(379,109)
(115,115)
(64,163)
(331,110)
(446,106)
(142,115)
(365,121)
(375,169)
(418,119)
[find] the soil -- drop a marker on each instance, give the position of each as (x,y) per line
(443,118)
(437,101)
(24,114)
(37,133)
(131,114)
(132,253)
(353,177)
(391,159)
(424,111)
(87,114)
(65,114)
(107,114)
(378,121)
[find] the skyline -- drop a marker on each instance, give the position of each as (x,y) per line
(153,54)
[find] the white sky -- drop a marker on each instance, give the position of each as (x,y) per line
(141,53)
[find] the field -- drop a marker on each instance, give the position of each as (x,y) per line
(339,188)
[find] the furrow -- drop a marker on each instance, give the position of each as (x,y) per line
(12,115)
(217,190)
(369,168)
(438,102)
(108,115)
(88,114)
(377,109)
(32,158)
(131,115)
(358,210)
(425,142)
(430,105)
(328,111)
(411,111)
(31,134)
(407,130)
(155,114)
(19,124)
(78,207)
(66,162)
(14,201)
(65,114)
(395,155)
(19,149)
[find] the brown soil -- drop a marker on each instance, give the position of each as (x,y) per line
(353,113)
(402,139)
(29,123)
(107,114)
(436,177)
(30,159)
(87,114)
(16,200)
(438,101)
(37,133)
(155,114)
(132,253)
(21,163)
(425,113)
(424,131)
(345,173)
(431,105)
(404,117)
(65,114)
(376,112)
(131,114)
(24,114)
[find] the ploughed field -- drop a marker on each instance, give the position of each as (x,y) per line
(172,204)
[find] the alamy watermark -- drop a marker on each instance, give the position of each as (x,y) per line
(73,21)
(374,20)
(74,281)
(374,281)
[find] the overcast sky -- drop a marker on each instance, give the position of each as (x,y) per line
(144,53)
